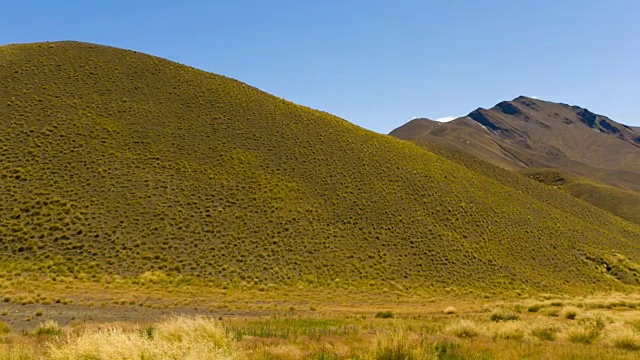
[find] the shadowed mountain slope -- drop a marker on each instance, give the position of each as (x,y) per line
(119,163)
(533,134)
(528,132)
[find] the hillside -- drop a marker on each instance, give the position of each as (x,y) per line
(120,163)
(543,185)
(624,203)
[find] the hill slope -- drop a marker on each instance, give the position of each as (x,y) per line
(116,162)
(624,203)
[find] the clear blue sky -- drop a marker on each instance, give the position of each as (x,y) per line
(375,63)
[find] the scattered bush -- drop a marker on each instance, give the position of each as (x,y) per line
(450,310)
(384,315)
(570,313)
(4,328)
(535,308)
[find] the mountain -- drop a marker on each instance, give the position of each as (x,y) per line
(528,133)
(120,163)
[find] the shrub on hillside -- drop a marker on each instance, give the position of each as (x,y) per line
(384,315)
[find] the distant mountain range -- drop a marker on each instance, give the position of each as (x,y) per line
(540,138)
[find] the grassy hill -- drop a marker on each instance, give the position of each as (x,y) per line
(119,163)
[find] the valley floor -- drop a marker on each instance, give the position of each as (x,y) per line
(89,321)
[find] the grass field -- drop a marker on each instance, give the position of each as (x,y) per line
(546,327)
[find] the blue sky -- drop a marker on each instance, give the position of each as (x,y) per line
(375,63)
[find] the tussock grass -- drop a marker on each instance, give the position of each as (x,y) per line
(464,329)
(48,327)
(623,336)
(552,312)
(586,332)
(510,330)
(623,203)
(19,353)
(535,307)
(353,336)
(545,331)
(400,345)
(502,314)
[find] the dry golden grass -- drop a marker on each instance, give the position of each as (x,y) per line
(509,330)
(177,338)
(470,334)
(466,329)
(623,336)
(4,328)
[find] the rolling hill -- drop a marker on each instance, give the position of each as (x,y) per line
(528,135)
(415,128)
(115,162)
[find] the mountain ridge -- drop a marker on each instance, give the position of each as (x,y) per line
(527,132)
